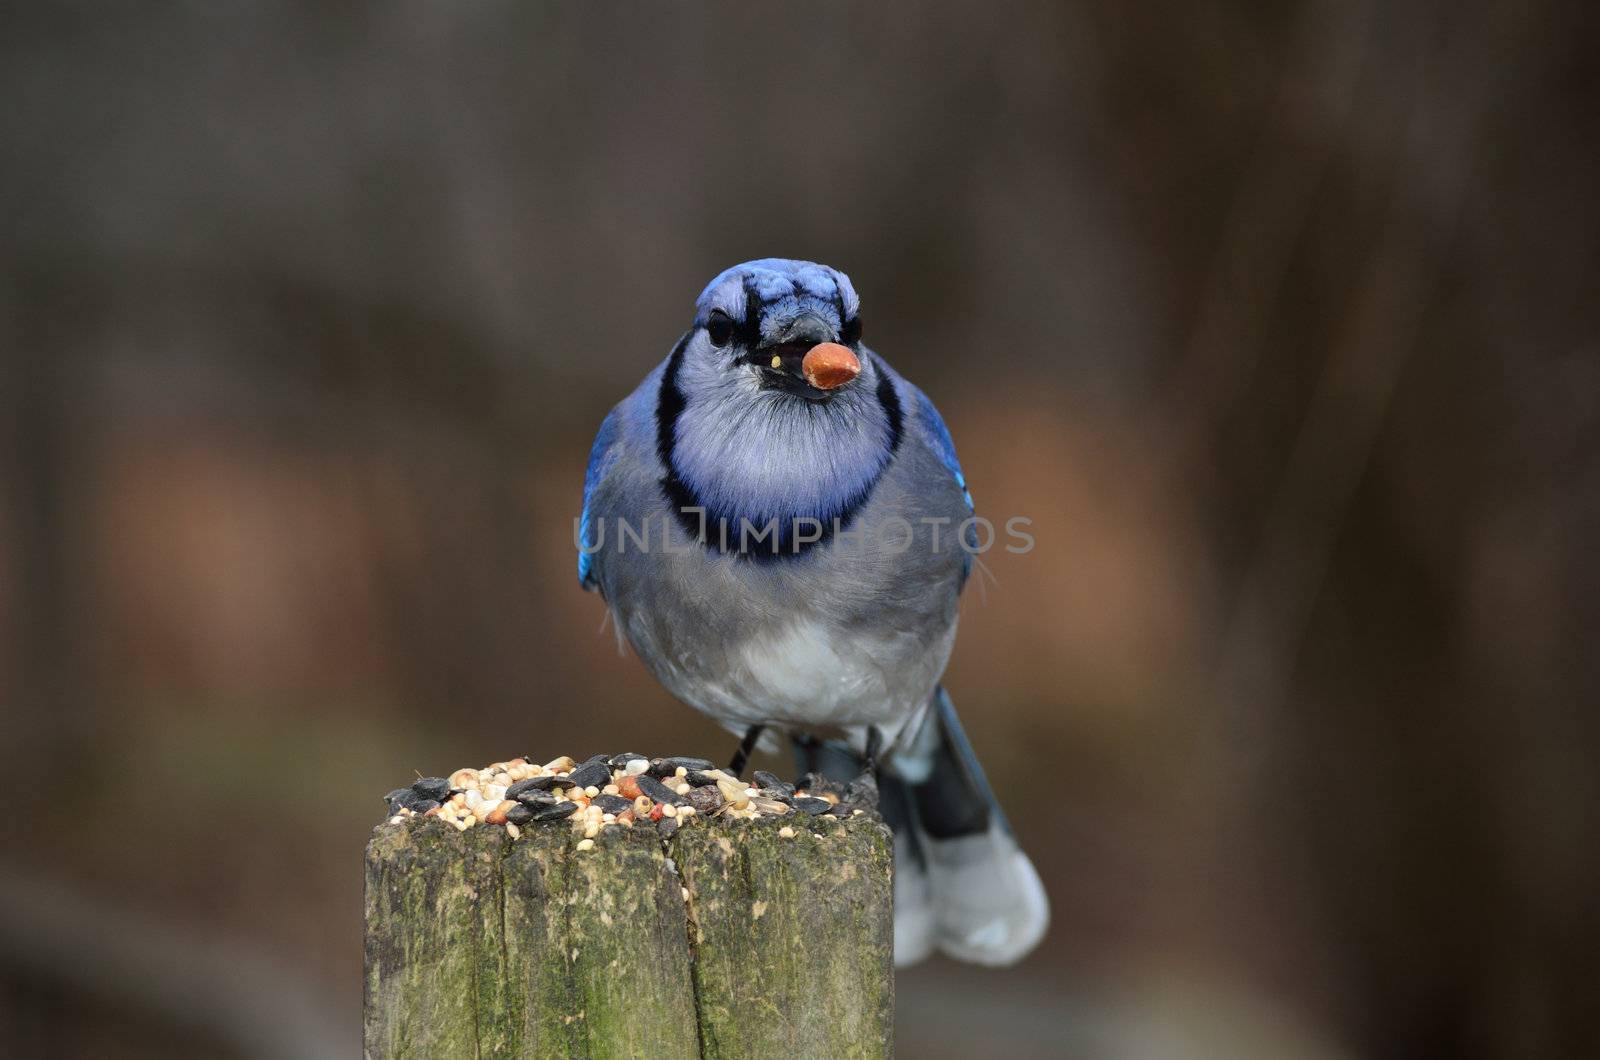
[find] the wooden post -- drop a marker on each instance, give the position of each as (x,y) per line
(732,938)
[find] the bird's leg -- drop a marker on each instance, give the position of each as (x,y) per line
(806,745)
(874,748)
(746,746)
(864,789)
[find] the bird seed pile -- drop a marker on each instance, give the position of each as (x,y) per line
(621,790)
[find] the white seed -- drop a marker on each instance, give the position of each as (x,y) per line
(611,789)
(685,891)
(786,832)
(736,796)
(642,806)
(635,766)
(683,789)
(513,831)
(609,818)
(586,844)
(681,771)
(686,811)
(669,810)
(591,791)
(592,829)
(563,764)
(495,791)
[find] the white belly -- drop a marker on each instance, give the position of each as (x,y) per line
(805,674)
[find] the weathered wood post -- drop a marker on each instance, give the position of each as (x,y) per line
(750,938)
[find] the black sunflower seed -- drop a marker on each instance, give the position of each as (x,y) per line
(773,782)
(591,774)
(432,788)
(538,784)
(665,767)
(408,799)
(706,800)
(658,791)
(549,813)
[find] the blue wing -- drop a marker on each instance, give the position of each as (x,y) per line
(939,439)
(600,456)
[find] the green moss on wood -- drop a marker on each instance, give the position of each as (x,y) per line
(430,945)
(793,936)
(480,946)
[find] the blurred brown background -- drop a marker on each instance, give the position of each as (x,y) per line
(1279,320)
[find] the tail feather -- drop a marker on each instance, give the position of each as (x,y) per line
(962,885)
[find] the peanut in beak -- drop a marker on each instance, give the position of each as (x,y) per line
(828,365)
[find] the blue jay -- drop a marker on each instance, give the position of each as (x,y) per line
(774,520)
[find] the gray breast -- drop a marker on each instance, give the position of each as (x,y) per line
(854,631)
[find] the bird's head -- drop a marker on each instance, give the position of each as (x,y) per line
(770,407)
(780,325)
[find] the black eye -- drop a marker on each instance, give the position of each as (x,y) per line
(850,334)
(719,328)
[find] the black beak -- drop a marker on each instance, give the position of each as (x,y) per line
(778,363)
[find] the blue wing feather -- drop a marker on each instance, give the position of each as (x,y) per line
(939,439)
(599,461)
(945,449)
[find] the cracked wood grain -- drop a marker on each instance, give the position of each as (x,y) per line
(727,940)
